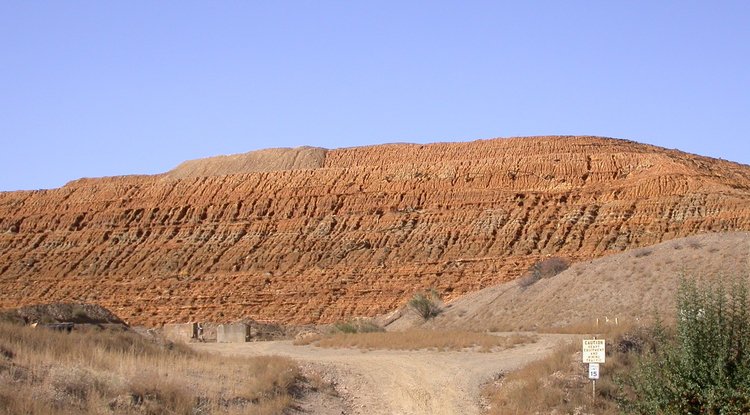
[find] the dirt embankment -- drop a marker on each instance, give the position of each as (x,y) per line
(625,288)
(272,159)
(357,235)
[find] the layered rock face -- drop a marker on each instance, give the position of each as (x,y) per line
(350,232)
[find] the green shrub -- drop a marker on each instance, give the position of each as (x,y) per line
(357,326)
(79,313)
(426,304)
(702,366)
(546,268)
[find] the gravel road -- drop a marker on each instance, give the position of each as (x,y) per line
(402,382)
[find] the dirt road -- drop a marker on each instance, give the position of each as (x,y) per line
(403,382)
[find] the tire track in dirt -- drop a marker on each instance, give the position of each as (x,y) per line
(403,382)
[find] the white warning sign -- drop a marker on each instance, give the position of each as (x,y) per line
(593,351)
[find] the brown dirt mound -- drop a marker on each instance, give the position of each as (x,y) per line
(274,159)
(629,286)
(63,313)
(358,236)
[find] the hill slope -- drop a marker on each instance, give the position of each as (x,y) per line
(359,233)
(272,159)
(628,286)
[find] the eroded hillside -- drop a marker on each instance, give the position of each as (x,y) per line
(355,232)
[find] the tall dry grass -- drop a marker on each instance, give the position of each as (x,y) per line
(45,372)
(419,339)
(559,384)
(599,327)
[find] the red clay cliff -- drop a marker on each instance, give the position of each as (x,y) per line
(314,235)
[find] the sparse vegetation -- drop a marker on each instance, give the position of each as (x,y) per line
(694,244)
(417,339)
(559,383)
(426,304)
(546,380)
(44,371)
(703,366)
(546,268)
(357,326)
(585,327)
(643,252)
(79,313)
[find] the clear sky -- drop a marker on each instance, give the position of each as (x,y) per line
(102,88)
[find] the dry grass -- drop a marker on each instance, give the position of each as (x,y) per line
(419,339)
(560,384)
(543,380)
(308,338)
(602,328)
(43,372)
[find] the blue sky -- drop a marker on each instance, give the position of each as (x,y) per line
(95,88)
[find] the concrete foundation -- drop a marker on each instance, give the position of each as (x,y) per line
(207,332)
(233,333)
(184,332)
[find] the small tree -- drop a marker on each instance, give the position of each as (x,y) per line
(426,304)
(357,325)
(546,268)
(703,367)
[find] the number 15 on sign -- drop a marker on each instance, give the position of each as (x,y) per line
(594,371)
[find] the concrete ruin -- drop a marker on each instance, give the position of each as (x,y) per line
(207,332)
(233,333)
(237,332)
(184,332)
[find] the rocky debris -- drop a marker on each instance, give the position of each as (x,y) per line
(320,391)
(266,331)
(58,314)
(356,235)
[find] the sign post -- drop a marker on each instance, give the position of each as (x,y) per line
(593,375)
(594,354)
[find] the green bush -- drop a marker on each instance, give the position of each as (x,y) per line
(546,268)
(79,314)
(702,366)
(357,326)
(426,304)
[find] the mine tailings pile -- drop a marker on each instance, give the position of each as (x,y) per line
(311,235)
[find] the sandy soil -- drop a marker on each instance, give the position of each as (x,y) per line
(402,382)
(630,286)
